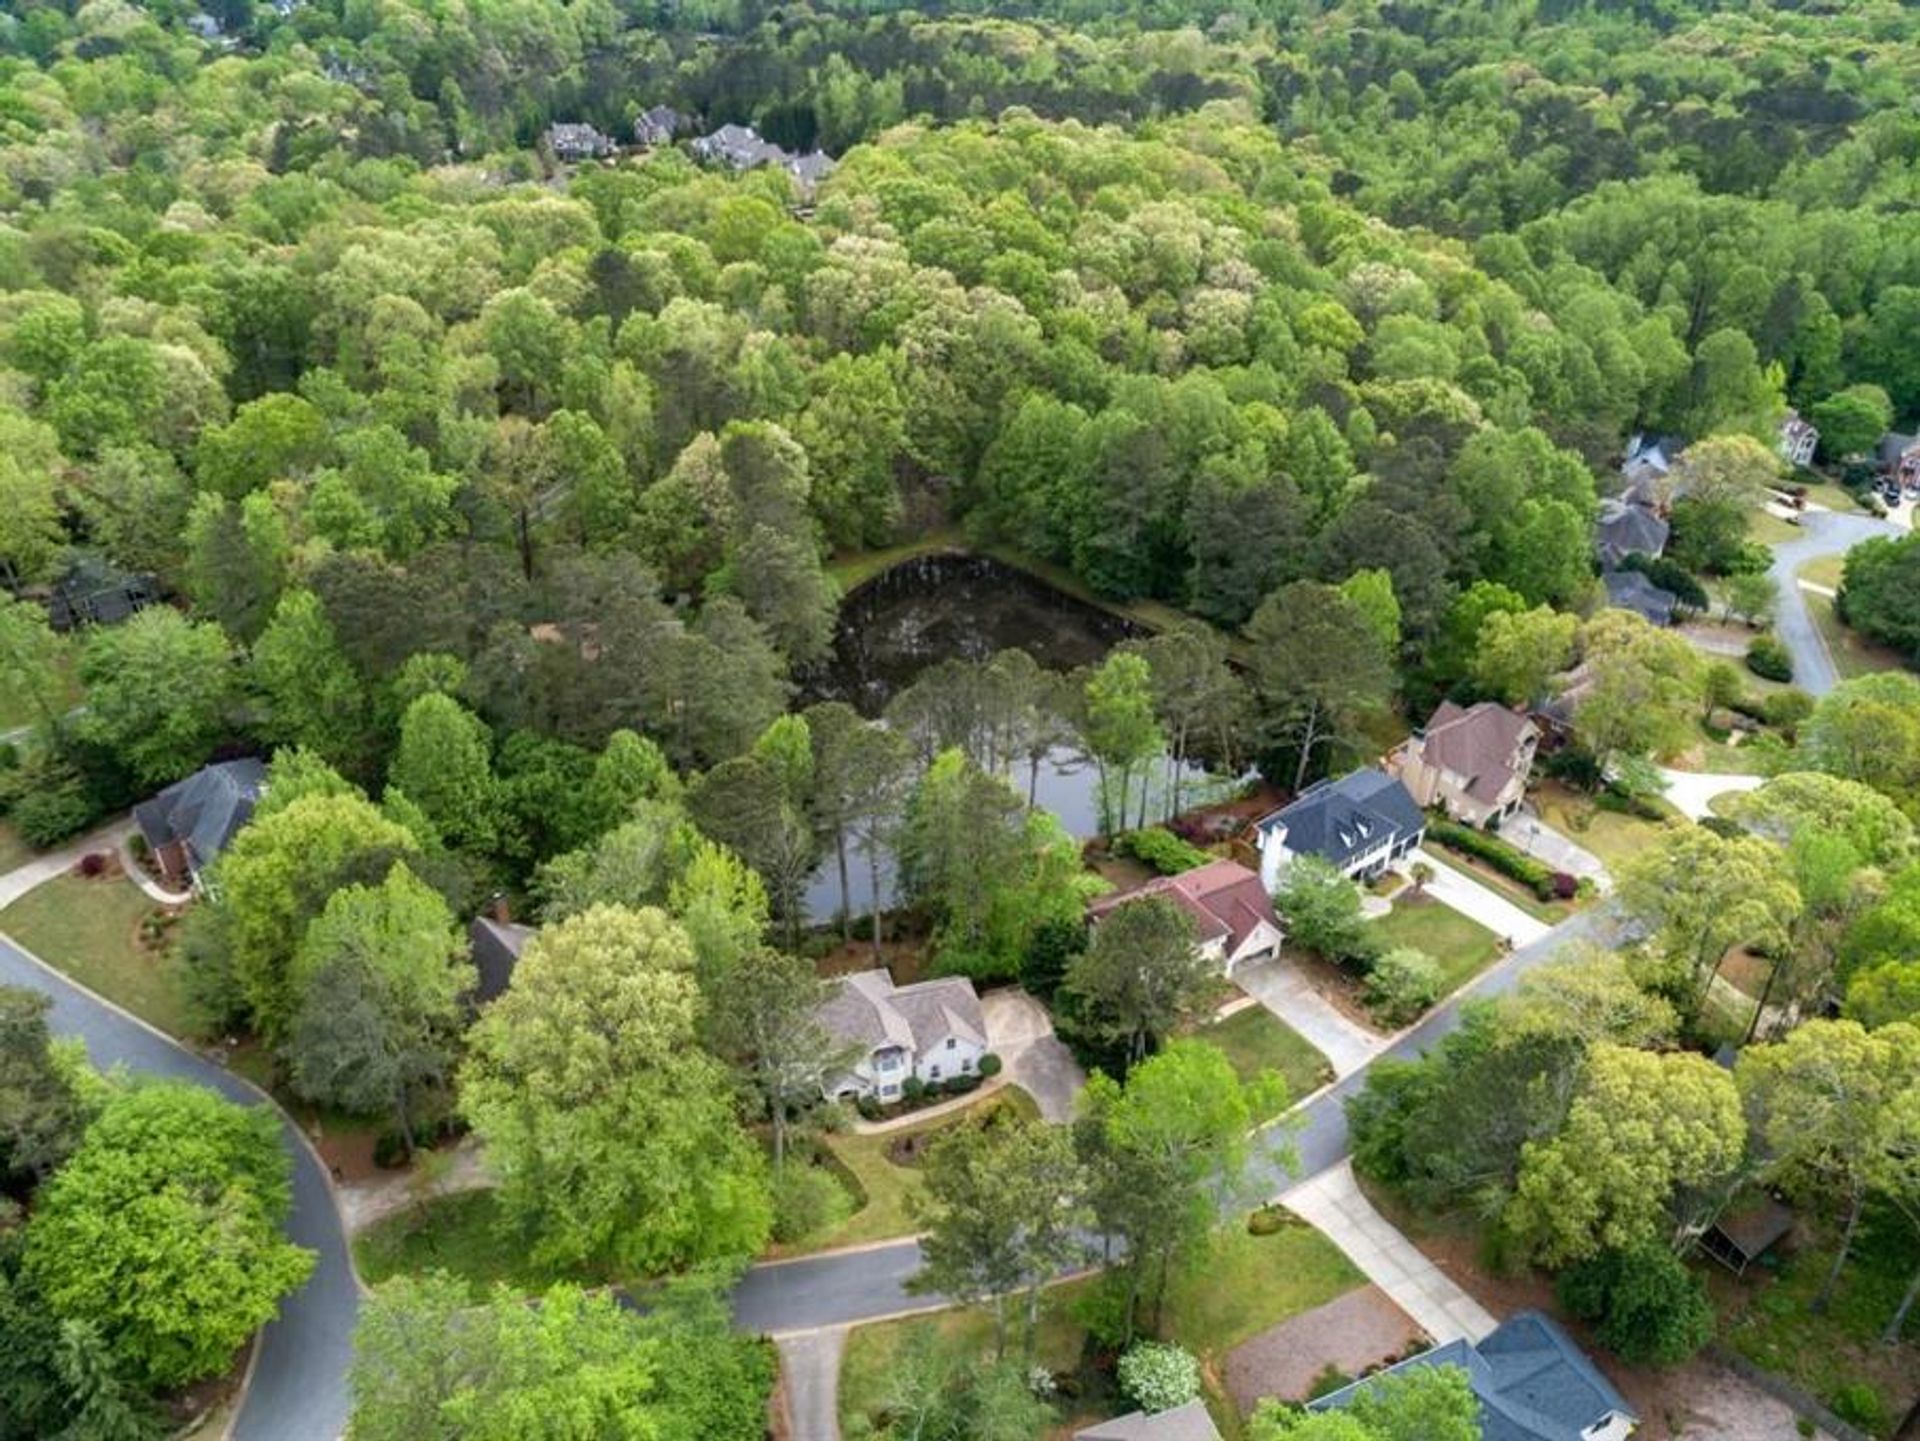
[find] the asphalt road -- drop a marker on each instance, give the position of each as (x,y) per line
(850,1286)
(299,1387)
(1823,532)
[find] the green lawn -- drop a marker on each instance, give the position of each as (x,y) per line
(886,1187)
(853,567)
(1610,835)
(90,930)
(1771,529)
(1256,1040)
(14,852)
(1852,654)
(459,1234)
(1272,1278)
(1824,570)
(1461,945)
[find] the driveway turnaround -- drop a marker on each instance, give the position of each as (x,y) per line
(1020,1032)
(299,1386)
(1823,532)
(1333,1204)
(1693,791)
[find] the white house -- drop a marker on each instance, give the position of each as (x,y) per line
(1798,439)
(934,1030)
(1360,824)
(1233,915)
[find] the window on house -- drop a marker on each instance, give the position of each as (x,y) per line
(933,1073)
(949,1043)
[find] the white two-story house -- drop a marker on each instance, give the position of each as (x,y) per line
(1359,824)
(934,1030)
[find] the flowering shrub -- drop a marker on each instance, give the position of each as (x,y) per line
(1158,1377)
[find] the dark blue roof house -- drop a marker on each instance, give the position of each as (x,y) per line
(1534,1384)
(191,822)
(1359,824)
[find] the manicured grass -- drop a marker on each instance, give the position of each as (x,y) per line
(14,852)
(1770,529)
(1824,570)
(1462,946)
(886,1187)
(459,1234)
(90,930)
(1266,1280)
(1853,655)
(1610,835)
(1243,1286)
(1769,1320)
(1256,1040)
(1834,497)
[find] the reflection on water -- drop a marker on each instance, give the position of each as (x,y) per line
(965,607)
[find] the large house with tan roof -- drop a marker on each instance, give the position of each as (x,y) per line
(934,1030)
(1470,761)
(1233,916)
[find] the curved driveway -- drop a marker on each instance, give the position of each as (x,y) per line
(1824,532)
(299,1386)
(850,1286)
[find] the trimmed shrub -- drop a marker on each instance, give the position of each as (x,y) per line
(1157,1376)
(1565,886)
(990,1065)
(1270,1219)
(913,1089)
(93,863)
(1512,863)
(961,1084)
(1786,709)
(1163,850)
(1649,1308)
(1769,659)
(1402,984)
(868,1108)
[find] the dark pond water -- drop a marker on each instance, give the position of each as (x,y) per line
(948,607)
(945,607)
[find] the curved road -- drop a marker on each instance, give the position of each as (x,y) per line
(786,1297)
(1825,532)
(299,1386)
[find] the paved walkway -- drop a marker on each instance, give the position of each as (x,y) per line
(1453,887)
(1690,791)
(136,873)
(810,1367)
(43,868)
(1332,1202)
(1281,987)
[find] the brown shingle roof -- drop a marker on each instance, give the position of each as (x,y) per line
(1479,742)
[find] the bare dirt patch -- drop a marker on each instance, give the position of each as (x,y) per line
(1354,1334)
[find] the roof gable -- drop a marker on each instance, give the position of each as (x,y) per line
(1345,819)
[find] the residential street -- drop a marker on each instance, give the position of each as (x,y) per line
(299,1386)
(1824,532)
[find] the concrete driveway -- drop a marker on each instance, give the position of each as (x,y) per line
(1822,533)
(1459,891)
(1691,791)
(1541,841)
(1020,1032)
(1280,986)
(810,1368)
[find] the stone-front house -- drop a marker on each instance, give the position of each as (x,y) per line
(1471,762)
(1359,824)
(1232,912)
(934,1030)
(191,822)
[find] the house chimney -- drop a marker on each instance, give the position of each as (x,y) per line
(499,908)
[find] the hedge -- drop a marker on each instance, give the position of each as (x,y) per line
(1769,659)
(1516,865)
(1163,850)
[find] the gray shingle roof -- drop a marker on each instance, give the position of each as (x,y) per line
(1343,820)
(206,810)
(866,1009)
(1183,1423)
(1533,1383)
(496,947)
(1624,528)
(1630,590)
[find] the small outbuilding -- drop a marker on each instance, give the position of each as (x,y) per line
(1746,1232)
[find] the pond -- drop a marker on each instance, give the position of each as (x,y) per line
(952,606)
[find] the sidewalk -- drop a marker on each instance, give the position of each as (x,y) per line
(1280,986)
(41,869)
(1332,1203)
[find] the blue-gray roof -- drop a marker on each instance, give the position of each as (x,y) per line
(1343,820)
(1630,590)
(205,810)
(1533,1382)
(1624,528)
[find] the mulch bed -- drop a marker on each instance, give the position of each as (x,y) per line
(1351,1334)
